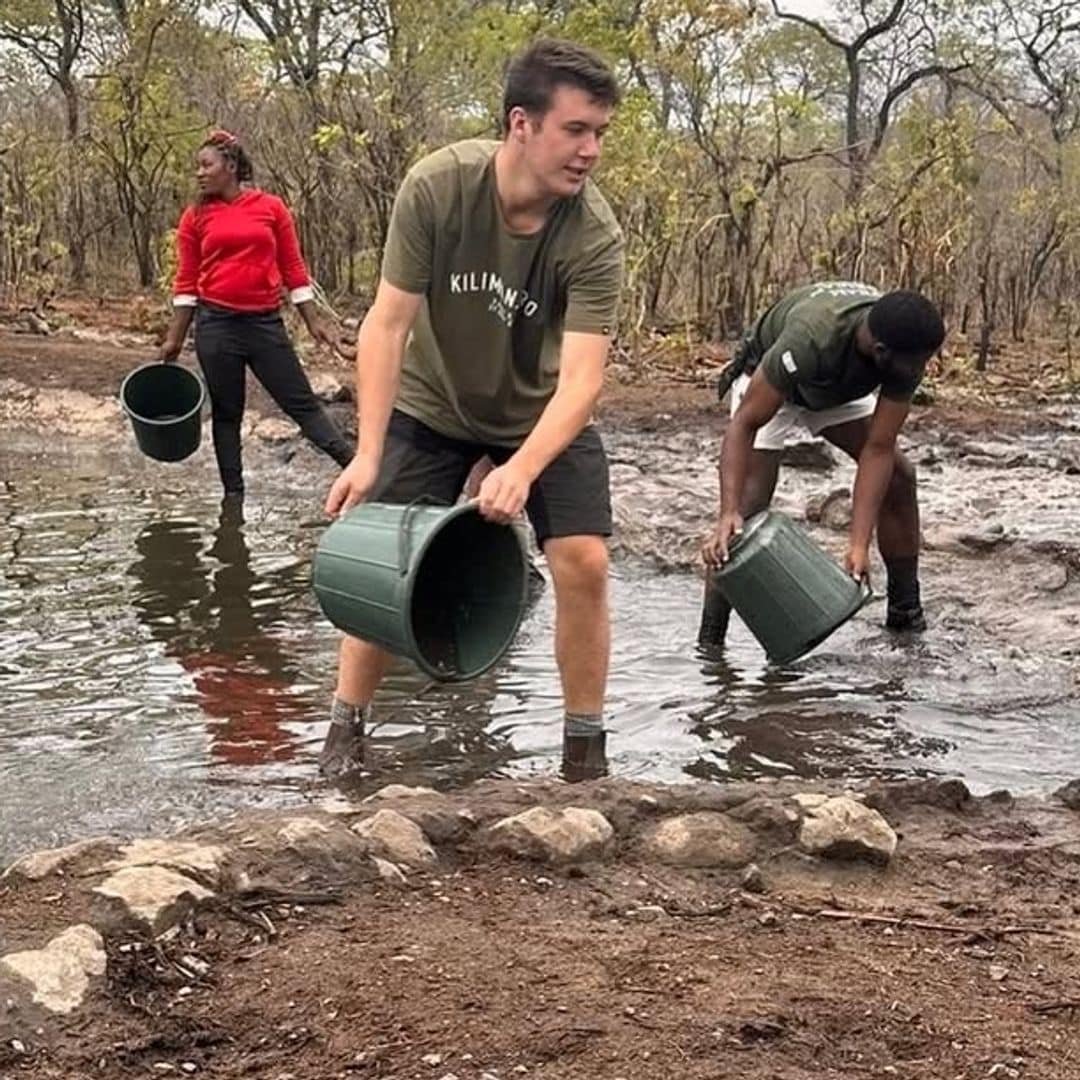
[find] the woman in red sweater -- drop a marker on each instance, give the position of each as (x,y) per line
(236,251)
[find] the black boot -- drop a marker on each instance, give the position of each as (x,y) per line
(343,752)
(584,757)
(905,618)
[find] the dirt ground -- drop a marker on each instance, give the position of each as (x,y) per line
(958,961)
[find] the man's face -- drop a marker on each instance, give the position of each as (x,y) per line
(562,146)
(903,367)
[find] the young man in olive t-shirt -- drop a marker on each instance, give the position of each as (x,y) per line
(838,359)
(488,336)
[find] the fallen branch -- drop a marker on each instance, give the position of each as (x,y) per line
(1046,1008)
(976,932)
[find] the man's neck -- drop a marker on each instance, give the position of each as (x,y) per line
(524,206)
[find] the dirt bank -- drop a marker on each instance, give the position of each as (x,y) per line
(958,959)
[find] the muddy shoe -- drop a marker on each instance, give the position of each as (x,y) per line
(584,757)
(342,754)
(905,619)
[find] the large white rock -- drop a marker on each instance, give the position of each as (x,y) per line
(40,864)
(155,894)
(59,974)
(186,856)
(703,839)
(555,836)
(394,837)
(842,828)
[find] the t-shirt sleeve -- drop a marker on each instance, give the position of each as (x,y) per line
(407,256)
(592,294)
(186,282)
(791,359)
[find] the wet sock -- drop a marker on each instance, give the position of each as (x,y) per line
(349,716)
(583,724)
(903,582)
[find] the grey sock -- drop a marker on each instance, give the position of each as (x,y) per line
(350,716)
(579,724)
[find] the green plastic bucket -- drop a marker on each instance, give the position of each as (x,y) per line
(789,592)
(440,585)
(164,404)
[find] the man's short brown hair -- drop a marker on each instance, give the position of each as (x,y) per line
(534,74)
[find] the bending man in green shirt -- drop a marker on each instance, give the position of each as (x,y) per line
(841,360)
(488,336)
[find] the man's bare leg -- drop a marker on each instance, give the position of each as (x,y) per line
(579,571)
(361,667)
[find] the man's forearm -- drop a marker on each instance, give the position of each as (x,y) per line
(871,482)
(734,465)
(564,418)
(379,352)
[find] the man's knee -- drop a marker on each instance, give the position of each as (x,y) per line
(578,563)
(902,486)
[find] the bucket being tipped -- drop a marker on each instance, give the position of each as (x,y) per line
(439,585)
(789,592)
(164,404)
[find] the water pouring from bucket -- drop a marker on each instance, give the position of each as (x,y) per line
(790,594)
(439,585)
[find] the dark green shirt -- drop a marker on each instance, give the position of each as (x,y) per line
(805,345)
(483,357)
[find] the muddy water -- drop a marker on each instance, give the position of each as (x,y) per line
(161,662)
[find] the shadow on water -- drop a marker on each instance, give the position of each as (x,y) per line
(162,661)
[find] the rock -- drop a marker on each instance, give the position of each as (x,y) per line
(753,880)
(328,388)
(153,894)
(898,794)
(555,836)
(60,973)
(390,872)
(998,972)
(296,832)
(842,828)
(394,837)
(1069,794)
(40,864)
(832,510)
(987,538)
(185,856)
(399,791)
(812,454)
(810,800)
(703,839)
(273,430)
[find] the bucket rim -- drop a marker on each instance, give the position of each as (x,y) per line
(196,408)
(452,513)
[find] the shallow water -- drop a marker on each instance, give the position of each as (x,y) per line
(160,664)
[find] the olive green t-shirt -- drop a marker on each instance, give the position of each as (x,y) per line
(483,357)
(805,344)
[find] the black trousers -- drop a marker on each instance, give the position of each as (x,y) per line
(227,343)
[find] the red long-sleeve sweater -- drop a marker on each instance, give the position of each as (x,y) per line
(239,254)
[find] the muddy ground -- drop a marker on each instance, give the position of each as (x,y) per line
(623,968)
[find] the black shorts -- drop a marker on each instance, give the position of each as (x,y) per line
(569,498)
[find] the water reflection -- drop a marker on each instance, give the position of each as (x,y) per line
(201,606)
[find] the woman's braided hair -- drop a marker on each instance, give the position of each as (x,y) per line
(228,146)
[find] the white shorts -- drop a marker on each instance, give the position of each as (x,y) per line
(792,422)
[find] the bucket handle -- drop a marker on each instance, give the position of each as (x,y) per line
(405,536)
